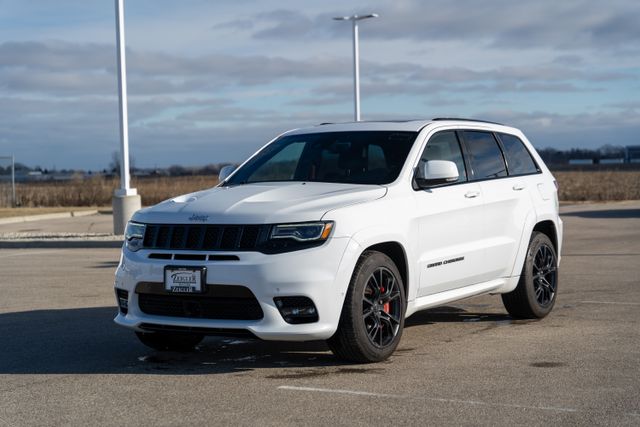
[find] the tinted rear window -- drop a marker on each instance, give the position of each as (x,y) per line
(486,156)
(518,157)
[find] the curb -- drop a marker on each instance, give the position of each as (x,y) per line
(60,243)
(22,240)
(59,215)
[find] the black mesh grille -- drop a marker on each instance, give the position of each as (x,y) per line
(162,238)
(249,236)
(194,237)
(229,238)
(211,236)
(202,237)
(220,302)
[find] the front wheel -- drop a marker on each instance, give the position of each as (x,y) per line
(167,341)
(372,317)
(536,292)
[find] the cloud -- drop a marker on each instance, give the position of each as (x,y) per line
(499,23)
(66,69)
(563,131)
(214,86)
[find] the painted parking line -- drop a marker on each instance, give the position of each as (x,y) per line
(610,302)
(432,399)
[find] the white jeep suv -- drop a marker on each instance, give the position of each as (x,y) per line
(340,231)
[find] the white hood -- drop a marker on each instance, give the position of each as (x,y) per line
(264,203)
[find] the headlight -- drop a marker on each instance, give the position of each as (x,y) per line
(134,235)
(294,237)
(304,232)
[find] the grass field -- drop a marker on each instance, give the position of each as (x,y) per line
(98,191)
(574,186)
(598,186)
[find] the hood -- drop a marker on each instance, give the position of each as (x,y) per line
(264,203)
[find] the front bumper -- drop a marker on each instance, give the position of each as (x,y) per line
(321,273)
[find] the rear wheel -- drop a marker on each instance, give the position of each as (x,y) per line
(167,341)
(536,292)
(372,317)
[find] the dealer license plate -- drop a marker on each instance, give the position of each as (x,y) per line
(183,279)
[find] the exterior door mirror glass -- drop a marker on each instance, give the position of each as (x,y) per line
(225,172)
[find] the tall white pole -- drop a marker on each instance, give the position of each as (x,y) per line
(125,189)
(356,59)
(356,71)
(126,200)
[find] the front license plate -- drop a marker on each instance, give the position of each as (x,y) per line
(185,280)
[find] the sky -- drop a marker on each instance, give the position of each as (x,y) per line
(212,81)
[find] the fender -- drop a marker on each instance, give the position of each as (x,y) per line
(530,224)
(378,234)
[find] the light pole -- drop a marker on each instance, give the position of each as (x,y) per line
(125,199)
(356,58)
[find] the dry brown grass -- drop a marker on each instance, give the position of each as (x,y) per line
(599,186)
(574,186)
(98,191)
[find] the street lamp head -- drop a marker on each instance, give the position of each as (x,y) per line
(355,17)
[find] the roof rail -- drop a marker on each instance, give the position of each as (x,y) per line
(437,119)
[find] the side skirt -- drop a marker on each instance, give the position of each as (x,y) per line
(441,298)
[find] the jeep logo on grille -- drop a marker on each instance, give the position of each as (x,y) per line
(199,218)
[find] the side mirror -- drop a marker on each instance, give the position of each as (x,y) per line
(225,172)
(436,172)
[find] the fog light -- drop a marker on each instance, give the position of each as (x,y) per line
(123,300)
(296,310)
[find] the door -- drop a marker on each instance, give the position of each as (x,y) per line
(449,223)
(507,202)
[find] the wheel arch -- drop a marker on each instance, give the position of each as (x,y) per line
(543,225)
(549,228)
(398,255)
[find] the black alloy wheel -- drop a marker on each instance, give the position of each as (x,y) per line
(381,307)
(545,275)
(537,289)
(372,317)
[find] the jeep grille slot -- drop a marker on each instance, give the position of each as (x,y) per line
(203,237)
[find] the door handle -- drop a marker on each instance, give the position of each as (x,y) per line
(472,194)
(518,186)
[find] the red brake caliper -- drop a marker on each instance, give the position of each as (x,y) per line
(385,307)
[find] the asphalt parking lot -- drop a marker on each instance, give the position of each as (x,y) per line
(64,362)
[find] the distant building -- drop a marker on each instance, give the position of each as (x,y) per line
(612,161)
(581,161)
(632,154)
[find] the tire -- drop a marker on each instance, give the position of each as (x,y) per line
(535,295)
(162,341)
(372,316)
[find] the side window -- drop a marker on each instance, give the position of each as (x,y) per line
(518,157)
(445,146)
(485,155)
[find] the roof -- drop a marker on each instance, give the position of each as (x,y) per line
(389,125)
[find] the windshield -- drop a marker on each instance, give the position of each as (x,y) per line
(364,157)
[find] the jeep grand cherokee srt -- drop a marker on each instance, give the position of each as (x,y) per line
(338,232)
